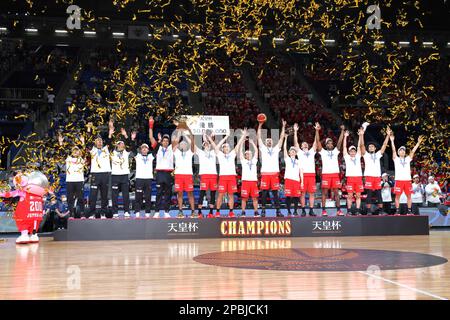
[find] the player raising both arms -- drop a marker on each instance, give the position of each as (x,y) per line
(208,175)
(330,168)
(293,178)
(249,187)
(402,165)
(372,171)
(270,168)
(227,172)
(353,172)
(183,153)
(306,156)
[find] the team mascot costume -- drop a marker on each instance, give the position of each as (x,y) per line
(30,187)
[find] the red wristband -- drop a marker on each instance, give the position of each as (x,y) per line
(150,123)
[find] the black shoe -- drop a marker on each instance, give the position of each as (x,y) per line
(303,212)
(279,214)
(263,214)
(180,214)
(311,212)
(256,214)
(243,214)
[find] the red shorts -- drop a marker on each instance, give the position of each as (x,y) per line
(270,181)
(331,180)
(208,182)
(373,183)
(227,184)
(309,182)
(403,186)
(292,188)
(249,189)
(184,182)
(354,184)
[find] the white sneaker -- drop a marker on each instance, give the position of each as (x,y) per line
(102,217)
(92,217)
(34,238)
(127,215)
(115,215)
(147,215)
(156,215)
(137,214)
(166,214)
(23,239)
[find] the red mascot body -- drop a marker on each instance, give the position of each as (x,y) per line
(30,187)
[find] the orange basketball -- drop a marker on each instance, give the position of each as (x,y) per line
(262,118)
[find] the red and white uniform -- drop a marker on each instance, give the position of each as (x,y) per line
(270,168)
(308,164)
(353,172)
(372,170)
(292,177)
(183,170)
(403,175)
(227,172)
(207,170)
(330,169)
(249,186)
(29,210)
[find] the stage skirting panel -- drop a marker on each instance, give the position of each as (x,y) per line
(187,228)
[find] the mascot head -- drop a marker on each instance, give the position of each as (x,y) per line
(33,182)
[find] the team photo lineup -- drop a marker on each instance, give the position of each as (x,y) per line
(299,150)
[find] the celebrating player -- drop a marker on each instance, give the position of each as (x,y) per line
(270,169)
(330,168)
(164,168)
(208,175)
(227,172)
(353,172)
(308,165)
(402,165)
(372,170)
(100,174)
(184,152)
(144,178)
(249,187)
(293,178)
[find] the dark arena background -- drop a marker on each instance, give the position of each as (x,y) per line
(110,112)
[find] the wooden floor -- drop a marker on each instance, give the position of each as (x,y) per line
(164,269)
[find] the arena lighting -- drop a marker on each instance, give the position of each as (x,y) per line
(355,42)
(380,43)
(448,44)
(175,36)
(118,34)
(427,43)
(31,30)
(198,37)
(62,45)
(89,33)
(403,43)
(3,29)
(304,40)
(61,31)
(329,42)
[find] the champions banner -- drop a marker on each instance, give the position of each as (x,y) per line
(219,125)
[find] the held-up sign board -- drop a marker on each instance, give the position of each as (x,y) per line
(219,125)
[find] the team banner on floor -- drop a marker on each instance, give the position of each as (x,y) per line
(219,125)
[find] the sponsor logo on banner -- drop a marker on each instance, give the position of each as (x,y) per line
(219,125)
(248,228)
(327,226)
